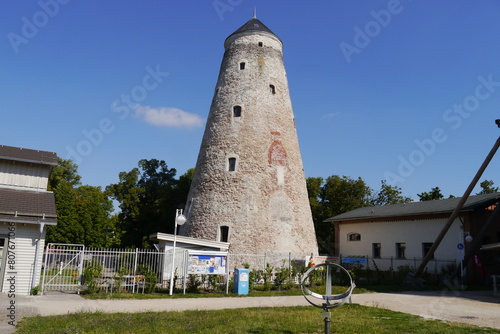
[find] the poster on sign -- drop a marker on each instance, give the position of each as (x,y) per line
(207,264)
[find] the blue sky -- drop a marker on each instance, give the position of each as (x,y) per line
(405,91)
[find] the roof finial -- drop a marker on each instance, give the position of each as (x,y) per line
(254,12)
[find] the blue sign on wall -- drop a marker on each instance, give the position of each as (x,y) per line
(356,260)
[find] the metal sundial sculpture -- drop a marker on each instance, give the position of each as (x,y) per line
(327,301)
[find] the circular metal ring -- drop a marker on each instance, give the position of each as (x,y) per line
(327,299)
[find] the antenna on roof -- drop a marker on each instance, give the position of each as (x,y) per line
(254,12)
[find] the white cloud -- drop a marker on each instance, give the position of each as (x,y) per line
(168,117)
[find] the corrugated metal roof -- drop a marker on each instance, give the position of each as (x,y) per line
(27,206)
(443,206)
(28,155)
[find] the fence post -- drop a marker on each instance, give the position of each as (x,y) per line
(80,269)
(135,271)
(392,268)
(44,270)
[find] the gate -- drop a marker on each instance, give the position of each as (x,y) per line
(119,269)
(62,267)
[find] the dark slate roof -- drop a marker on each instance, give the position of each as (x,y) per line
(253,25)
(27,206)
(444,206)
(28,155)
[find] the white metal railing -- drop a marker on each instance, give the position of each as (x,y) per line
(114,269)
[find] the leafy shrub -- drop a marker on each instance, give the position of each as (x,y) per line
(282,277)
(150,279)
(193,284)
(92,276)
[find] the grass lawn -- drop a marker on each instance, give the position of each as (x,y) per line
(346,319)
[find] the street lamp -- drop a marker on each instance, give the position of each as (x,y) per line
(468,238)
(180,219)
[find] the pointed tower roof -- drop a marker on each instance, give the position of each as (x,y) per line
(252,26)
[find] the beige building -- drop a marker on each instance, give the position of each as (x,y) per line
(403,233)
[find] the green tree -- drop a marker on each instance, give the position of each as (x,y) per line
(342,194)
(128,193)
(65,171)
(94,210)
(314,185)
(487,187)
(83,212)
(331,197)
(434,194)
(68,230)
(183,185)
(148,197)
(389,195)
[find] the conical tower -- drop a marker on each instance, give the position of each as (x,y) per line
(249,186)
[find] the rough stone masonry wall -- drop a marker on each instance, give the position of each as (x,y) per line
(264,201)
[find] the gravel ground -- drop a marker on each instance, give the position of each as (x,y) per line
(477,308)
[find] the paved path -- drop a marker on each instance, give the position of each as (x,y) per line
(478,308)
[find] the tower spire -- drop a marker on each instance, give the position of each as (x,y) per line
(254,12)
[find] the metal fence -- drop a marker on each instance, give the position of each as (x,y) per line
(435,266)
(65,267)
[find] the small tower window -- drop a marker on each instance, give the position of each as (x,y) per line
(272,89)
(354,237)
(236,111)
(401,250)
(231,166)
(242,65)
(224,233)
(260,43)
(426,247)
(376,250)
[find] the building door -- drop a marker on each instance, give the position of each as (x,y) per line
(3,257)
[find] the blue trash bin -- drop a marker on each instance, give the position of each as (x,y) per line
(241,281)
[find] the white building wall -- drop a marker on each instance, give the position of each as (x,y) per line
(412,233)
(26,239)
(24,175)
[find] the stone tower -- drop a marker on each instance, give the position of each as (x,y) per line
(249,186)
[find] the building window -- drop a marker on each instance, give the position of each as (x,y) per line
(272,89)
(224,233)
(376,250)
(236,111)
(260,43)
(426,246)
(401,250)
(242,65)
(354,237)
(231,164)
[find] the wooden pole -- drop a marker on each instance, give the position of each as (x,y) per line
(454,215)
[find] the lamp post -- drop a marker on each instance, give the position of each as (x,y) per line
(180,219)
